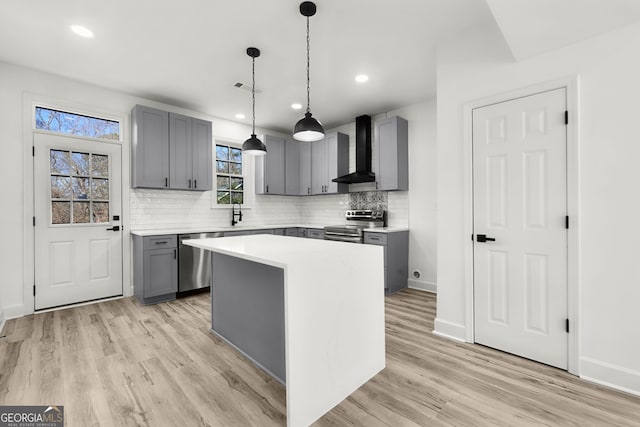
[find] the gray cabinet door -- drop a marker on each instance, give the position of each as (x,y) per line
(180,152)
(305,167)
(160,272)
(292,184)
(318,167)
(150,148)
(270,169)
(202,154)
(391,141)
(337,149)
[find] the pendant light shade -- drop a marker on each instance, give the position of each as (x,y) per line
(308,128)
(253,145)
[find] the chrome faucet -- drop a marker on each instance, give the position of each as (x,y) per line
(235,214)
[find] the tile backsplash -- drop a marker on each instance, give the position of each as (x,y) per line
(375,200)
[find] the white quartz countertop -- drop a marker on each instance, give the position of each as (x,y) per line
(214,229)
(283,251)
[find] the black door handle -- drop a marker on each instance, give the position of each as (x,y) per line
(483,238)
(114,228)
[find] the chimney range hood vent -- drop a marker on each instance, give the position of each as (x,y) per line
(363,171)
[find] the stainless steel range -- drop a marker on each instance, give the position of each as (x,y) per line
(357,221)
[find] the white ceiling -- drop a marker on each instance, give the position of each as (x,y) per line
(190,53)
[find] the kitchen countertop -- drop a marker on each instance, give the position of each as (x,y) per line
(333,313)
(213,229)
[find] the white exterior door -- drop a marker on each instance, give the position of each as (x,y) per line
(77,196)
(520,200)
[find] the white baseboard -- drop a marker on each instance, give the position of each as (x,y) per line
(2,321)
(610,375)
(422,285)
(13,312)
(452,331)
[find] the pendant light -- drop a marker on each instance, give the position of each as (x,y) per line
(308,128)
(253,145)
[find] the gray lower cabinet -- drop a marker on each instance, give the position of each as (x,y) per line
(295,232)
(392,146)
(155,268)
(396,257)
(270,169)
(170,151)
(315,233)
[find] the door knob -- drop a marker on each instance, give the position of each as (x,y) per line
(114,228)
(483,238)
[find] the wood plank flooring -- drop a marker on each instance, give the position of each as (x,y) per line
(118,363)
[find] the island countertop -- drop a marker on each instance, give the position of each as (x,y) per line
(333,311)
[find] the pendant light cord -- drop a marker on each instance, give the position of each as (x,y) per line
(308,91)
(253,93)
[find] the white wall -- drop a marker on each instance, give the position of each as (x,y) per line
(477,65)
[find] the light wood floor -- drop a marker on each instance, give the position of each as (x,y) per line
(118,363)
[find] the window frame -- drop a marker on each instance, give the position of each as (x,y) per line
(90,114)
(247,176)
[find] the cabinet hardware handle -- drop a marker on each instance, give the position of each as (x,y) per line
(189,183)
(161,243)
(195,183)
(267,188)
(166,182)
(175,253)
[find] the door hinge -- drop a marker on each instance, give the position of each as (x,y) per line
(566,222)
(567,325)
(34,221)
(566,117)
(34,289)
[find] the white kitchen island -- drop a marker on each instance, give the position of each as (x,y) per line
(310,312)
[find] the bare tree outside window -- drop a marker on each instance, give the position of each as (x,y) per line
(77,124)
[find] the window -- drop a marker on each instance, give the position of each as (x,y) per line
(77,124)
(79,187)
(229,180)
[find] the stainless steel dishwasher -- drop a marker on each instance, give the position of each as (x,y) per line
(194,264)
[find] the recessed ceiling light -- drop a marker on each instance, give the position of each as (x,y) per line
(361,78)
(240,116)
(296,106)
(82,31)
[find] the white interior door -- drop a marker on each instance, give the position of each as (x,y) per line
(77,198)
(520,200)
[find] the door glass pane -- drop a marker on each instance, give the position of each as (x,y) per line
(60,187)
(81,213)
(99,165)
(100,212)
(59,162)
(80,163)
(80,188)
(87,197)
(61,212)
(100,189)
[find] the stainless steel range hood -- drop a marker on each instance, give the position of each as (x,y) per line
(363,171)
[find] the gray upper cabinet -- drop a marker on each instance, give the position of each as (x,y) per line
(391,142)
(190,148)
(150,148)
(298,168)
(270,169)
(329,159)
(171,151)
